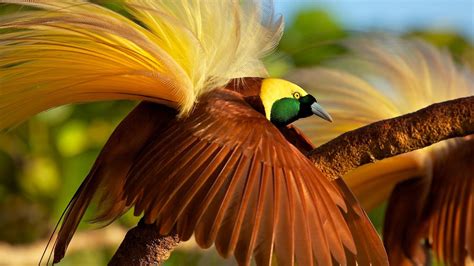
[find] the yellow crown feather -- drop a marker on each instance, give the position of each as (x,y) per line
(66,51)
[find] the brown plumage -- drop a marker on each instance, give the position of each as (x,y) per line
(440,207)
(228,175)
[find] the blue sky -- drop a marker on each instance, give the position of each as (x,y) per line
(392,15)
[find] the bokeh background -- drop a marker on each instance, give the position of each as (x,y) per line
(44,160)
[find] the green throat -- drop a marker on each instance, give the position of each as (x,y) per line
(284,111)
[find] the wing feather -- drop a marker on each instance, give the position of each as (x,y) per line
(321,248)
(449,208)
(236,231)
(284,249)
(107,177)
(367,245)
(303,243)
(203,193)
(212,196)
(259,213)
(217,221)
(229,226)
(439,206)
(185,191)
(334,233)
(265,236)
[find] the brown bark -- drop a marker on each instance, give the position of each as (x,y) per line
(395,136)
(144,246)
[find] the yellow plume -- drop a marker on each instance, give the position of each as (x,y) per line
(71,51)
(383,78)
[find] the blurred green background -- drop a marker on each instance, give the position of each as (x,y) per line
(44,160)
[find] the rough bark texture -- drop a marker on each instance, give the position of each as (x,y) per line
(144,246)
(395,136)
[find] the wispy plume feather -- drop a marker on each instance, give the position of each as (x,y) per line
(171,52)
(383,77)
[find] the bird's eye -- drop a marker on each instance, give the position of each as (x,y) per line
(296,95)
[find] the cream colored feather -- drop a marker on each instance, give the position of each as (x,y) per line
(382,78)
(71,51)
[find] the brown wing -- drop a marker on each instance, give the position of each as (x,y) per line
(451,203)
(438,208)
(403,222)
(229,176)
(107,177)
(370,250)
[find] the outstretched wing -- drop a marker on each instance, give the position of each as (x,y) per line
(229,176)
(110,170)
(171,52)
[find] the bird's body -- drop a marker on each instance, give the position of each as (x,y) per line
(210,151)
(231,177)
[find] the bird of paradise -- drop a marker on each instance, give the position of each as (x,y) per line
(210,150)
(430,192)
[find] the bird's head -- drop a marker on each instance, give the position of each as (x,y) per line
(285,102)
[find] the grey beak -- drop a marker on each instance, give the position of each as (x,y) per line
(319,111)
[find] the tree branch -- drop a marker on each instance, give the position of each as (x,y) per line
(395,136)
(144,246)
